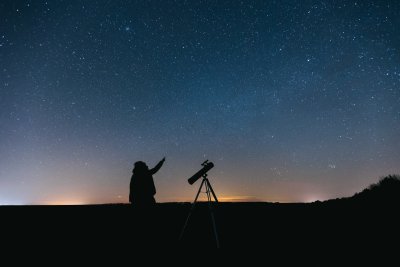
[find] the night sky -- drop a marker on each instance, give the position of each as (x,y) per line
(291,100)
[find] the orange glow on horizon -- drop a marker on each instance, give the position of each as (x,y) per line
(65,202)
(230,198)
(239,199)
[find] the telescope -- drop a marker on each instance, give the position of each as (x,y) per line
(206,167)
(210,195)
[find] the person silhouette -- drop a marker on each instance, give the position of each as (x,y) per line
(142,188)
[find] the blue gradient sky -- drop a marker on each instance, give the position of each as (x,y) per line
(292,100)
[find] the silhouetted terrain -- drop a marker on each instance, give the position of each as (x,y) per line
(386,191)
(368,219)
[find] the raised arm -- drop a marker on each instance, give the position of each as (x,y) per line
(157,167)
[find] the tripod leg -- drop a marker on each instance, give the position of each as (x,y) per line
(198,192)
(208,187)
(212,191)
(190,212)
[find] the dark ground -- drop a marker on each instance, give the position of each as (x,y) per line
(310,227)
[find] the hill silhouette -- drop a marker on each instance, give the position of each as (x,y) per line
(369,218)
(387,190)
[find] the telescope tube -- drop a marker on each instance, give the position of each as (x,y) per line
(200,173)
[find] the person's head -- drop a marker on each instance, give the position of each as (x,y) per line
(140,167)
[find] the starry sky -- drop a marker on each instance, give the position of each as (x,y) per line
(293,101)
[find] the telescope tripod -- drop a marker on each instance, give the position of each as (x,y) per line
(210,193)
